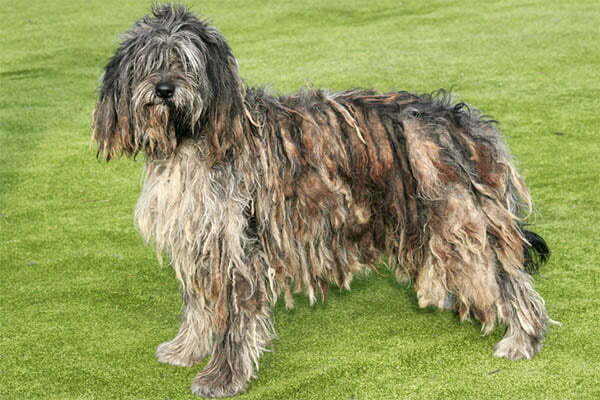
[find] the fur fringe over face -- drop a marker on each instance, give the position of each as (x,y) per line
(255,196)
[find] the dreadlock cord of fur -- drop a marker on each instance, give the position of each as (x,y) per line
(254,197)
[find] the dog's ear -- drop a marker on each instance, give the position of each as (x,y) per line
(226,109)
(111,120)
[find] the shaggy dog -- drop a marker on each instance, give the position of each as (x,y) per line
(255,196)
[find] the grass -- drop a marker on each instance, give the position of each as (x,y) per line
(83,302)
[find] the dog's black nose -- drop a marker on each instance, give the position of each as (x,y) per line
(165,90)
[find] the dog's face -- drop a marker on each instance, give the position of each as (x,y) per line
(171,76)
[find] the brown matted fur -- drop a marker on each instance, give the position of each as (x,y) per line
(255,196)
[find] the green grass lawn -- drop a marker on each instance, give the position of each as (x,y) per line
(83,303)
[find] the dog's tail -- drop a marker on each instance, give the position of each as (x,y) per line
(536,251)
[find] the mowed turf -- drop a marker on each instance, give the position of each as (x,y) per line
(84,303)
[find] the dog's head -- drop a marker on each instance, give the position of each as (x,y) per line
(173,76)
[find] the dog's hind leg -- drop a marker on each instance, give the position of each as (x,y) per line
(452,267)
(238,344)
(193,341)
(458,271)
(476,257)
(522,310)
(520,307)
(471,199)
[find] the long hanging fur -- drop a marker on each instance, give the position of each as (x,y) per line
(255,196)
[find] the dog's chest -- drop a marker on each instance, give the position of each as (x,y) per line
(186,204)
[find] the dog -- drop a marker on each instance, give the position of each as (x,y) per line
(256,196)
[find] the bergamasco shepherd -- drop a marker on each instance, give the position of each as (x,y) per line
(254,196)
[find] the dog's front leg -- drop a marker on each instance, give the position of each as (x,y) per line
(246,332)
(194,339)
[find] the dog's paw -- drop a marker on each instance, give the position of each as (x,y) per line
(214,385)
(175,354)
(518,347)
